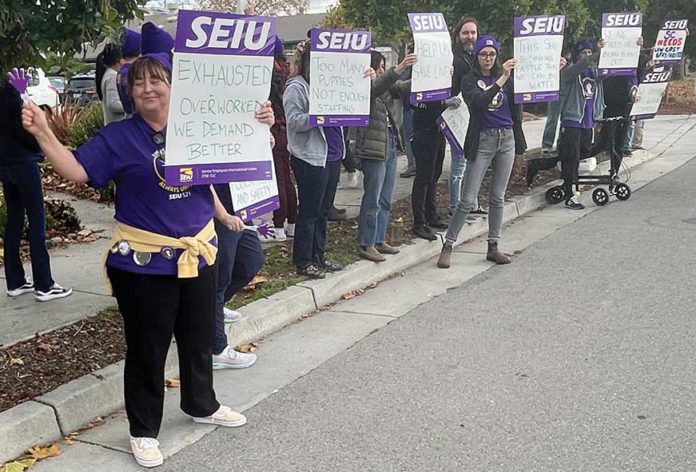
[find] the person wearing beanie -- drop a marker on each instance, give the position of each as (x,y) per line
(131,45)
(155,39)
(493,138)
(582,103)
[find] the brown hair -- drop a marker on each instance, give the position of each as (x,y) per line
(458,27)
(300,65)
(147,66)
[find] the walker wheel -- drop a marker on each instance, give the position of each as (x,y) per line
(554,194)
(600,197)
(622,192)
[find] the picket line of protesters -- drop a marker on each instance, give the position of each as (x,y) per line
(174,263)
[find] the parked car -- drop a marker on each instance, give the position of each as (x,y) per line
(82,87)
(40,89)
(59,84)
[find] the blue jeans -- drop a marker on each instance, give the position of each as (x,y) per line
(378,186)
(239,259)
(408,136)
(23,195)
(553,111)
(628,144)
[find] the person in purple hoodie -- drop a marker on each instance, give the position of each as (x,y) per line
(493,138)
(161,265)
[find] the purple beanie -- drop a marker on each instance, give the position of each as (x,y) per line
(130,43)
(486,42)
(155,39)
(162,58)
(278,48)
(581,46)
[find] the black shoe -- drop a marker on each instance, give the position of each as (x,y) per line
(409,172)
(311,271)
(479,211)
(334,215)
(424,232)
(627,153)
(574,204)
(438,224)
(340,211)
(331,266)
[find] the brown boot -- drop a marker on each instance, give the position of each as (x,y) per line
(443,262)
(494,255)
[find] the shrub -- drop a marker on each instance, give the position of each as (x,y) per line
(60,215)
(61,119)
(88,122)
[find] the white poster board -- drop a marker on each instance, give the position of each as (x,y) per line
(621,32)
(431,79)
(453,124)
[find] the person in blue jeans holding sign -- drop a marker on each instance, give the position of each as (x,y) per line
(493,138)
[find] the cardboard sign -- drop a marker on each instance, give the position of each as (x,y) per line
(255,198)
(221,77)
(620,32)
(339,94)
(669,46)
(649,95)
(430,78)
(453,123)
(538,44)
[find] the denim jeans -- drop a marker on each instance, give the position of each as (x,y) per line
(408,136)
(497,148)
(23,195)
(553,111)
(456,176)
(239,259)
(429,148)
(378,186)
(628,143)
(310,229)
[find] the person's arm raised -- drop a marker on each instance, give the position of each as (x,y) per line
(60,157)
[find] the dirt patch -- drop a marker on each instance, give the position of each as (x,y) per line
(679,98)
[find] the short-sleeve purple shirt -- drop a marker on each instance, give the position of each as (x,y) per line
(126,152)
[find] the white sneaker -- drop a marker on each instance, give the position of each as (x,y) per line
(276,235)
(290,230)
(52,293)
(27,287)
(146,451)
(231,316)
(223,417)
(231,359)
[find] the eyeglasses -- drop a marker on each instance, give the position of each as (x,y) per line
(489,55)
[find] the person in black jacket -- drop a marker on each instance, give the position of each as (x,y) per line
(493,138)
(21,185)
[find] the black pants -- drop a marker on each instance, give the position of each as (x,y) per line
(574,144)
(614,141)
(429,152)
(153,308)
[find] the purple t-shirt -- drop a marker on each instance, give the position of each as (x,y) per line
(589,86)
(497,115)
(126,152)
(334,140)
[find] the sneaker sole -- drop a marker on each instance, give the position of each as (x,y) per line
(229,321)
(15,293)
(227,424)
(48,298)
(150,463)
(225,365)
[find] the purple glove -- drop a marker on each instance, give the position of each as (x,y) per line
(20,81)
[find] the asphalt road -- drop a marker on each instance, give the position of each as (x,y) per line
(576,357)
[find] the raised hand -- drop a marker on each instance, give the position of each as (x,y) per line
(409,61)
(34,119)
(265,114)
(508,66)
(20,81)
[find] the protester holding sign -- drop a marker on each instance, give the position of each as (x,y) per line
(493,138)
(161,261)
(622,34)
(376,147)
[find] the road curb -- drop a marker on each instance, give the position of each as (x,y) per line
(75,404)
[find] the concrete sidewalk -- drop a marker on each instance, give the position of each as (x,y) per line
(79,266)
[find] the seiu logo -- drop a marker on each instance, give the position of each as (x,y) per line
(348,40)
(624,19)
(427,22)
(655,77)
(543,25)
(675,24)
(228,33)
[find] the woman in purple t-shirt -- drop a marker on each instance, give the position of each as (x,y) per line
(493,138)
(161,264)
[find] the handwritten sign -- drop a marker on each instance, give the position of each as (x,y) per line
(339,94)
(430,78)
(649,95)
(453,123)
(620,32)
(255,198)
(538,43)
(221,76)
(669,46)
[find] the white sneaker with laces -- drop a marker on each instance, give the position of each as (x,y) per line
(290,230)
(146,451)
(27,287)
(231,316)
(52,293)
(224,416)
(231,359)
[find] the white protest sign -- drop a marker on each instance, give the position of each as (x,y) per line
(430,78)
(621,32)
(538,43)
(669,45)
(339,92)
(649,95)
(255,198)
(221,76)
(453,124)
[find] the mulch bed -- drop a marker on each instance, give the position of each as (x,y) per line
(36,366)
(679,98)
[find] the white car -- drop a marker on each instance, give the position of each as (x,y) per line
(40,89)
